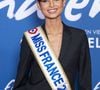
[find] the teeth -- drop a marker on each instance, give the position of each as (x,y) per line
(52,10)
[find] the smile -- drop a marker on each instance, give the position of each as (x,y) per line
(52,10)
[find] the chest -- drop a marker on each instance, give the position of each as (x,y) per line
(55,43)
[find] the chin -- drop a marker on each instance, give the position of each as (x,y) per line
(52,16)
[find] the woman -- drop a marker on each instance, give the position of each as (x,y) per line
(70,46)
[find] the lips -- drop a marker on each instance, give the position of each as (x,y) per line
(52,10)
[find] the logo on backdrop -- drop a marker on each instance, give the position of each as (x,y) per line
(27,8)
(93,38)
(73,4)
(9,86)
(97,87)
(74,10)
(82,14)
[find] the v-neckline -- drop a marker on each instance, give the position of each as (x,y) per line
(43,27)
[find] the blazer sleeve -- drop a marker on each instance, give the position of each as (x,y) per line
(23,66)
(85,65)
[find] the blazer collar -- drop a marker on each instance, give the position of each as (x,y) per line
(66,40)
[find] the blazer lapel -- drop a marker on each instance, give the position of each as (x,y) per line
(66,40)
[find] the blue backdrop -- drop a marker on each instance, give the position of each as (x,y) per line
(17,16)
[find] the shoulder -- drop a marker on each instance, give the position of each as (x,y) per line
(75,32)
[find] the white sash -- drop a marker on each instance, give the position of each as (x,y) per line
(47,60)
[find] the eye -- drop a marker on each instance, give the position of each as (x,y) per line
(44,0)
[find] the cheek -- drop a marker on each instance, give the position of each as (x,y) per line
(43,8)
(44,11)
(61,7)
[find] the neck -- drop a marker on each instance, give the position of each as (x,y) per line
(53,25)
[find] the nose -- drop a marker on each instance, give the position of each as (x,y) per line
(51,3)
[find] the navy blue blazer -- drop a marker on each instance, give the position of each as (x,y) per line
(74,57)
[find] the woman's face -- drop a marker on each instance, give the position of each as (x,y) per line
(51,8)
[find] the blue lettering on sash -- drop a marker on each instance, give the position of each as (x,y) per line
(39,43)
(36,38)
(48,62)
(63,88)
(46,57)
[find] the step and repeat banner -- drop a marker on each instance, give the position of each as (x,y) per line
(17,16)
